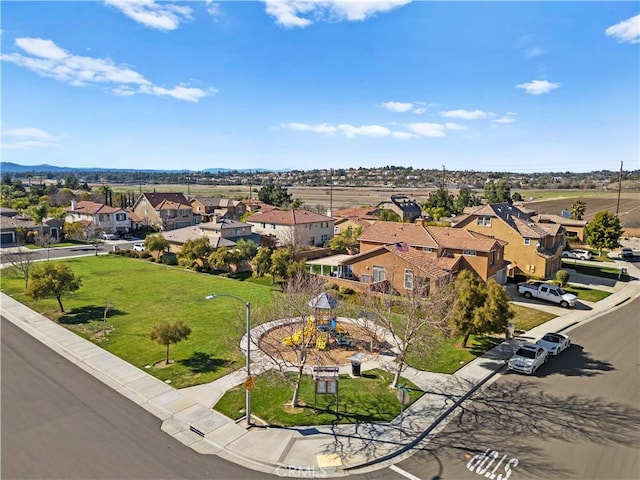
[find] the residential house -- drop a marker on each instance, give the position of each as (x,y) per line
(408,210)
(293,227)
(99,215)
(20,229)
(400,255)
(532,248)
(574,228)
(165,211)
(208,208)
(222,233)
(353,218)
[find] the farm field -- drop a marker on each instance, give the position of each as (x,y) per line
(322,198)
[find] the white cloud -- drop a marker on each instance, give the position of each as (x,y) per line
(428,129)
(302,13)
(403,107)
(534,52)
(627,31)
(303,127)
(213,8)
(30,139)
(365,130)
(465,114)
(538,87)
(161,16)
(507,118)
(399,107)
(454,126)
(49,60)
(403,135)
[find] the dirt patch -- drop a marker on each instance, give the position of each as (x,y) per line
(162,364)
(333,354)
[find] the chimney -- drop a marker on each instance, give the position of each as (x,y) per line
(74,205)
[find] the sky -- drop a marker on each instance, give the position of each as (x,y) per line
(281,84)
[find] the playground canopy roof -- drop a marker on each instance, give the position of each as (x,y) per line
(323,302)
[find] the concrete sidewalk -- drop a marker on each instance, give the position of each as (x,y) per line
(325,450)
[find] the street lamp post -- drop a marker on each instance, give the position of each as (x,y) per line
(249,382)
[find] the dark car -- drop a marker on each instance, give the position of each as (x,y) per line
(626,253)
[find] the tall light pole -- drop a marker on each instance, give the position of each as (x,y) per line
(248,384)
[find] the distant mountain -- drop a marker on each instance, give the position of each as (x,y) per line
(15,168)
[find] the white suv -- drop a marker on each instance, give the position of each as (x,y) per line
(577,253)
(528,358)
(138,247)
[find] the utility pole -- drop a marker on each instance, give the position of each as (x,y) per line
(331,192)
(619,189)
(443,177)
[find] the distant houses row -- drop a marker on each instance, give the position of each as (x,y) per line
(495,241)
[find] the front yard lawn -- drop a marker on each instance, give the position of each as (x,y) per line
(585,293)
(368,398)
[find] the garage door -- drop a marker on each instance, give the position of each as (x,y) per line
(6,238)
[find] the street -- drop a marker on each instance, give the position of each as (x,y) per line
(578,417)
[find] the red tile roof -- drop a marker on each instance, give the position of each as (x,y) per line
(288,217)
(92,208)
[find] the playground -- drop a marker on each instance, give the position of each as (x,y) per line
(326,338)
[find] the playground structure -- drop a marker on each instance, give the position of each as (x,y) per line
(322,327)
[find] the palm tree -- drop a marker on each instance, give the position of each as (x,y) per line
(38,213)
(578,210)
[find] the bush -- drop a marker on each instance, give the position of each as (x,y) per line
(346,290)
(562,277)
(332,286)
(144,255)
(169,259)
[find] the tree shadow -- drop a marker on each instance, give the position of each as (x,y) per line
(484,344)
(201,362)
(576,363)
(87,313)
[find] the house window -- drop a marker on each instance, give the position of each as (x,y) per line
(324,238)
(121,217)
(492,257)
(273,226)
(264,225)
(484,221)
(378,273)
(527,241)
(336,230)
(470,253)
(427,249)
(408,279)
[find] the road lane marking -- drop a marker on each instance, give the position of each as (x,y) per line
(404,473)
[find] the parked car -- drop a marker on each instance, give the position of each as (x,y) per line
(529,358)
(138,247)
(577,253)
(108,236)
(550,293)
(626,252)
(554,342)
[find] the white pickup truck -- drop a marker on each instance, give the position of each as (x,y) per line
(550,293)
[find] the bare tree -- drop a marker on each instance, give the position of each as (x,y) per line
(21,261)
(296,334)
(45,241)
(415,322)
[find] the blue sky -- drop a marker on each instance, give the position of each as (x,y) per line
(501,86)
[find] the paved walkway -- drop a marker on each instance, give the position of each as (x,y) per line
(302,451)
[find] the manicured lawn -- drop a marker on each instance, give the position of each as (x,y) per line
(450,356)
(587,294)
(368,398)
(604,271)
(142,294)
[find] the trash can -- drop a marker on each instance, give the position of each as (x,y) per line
(511,329)
(116,248)
(356,362)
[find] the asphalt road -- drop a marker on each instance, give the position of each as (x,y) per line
(578,417)
(58,422)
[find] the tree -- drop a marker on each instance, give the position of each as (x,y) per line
(38,214)
(499,192)
(53,280)
(387,215)
(343,242)
(416,323)
(562,276)
(156,243)
(196,252)
(274,195)
(21,261)
(516,197)
(440,199)
(465,198)
(280,260)
(479,308)
(262,262)
(578,209)
(604,231)
(166,333)
(46,241)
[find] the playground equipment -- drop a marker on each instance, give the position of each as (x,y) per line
(321,327)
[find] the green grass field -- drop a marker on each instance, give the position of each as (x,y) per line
(141,293)
(368,398)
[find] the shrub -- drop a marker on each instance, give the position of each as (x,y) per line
(169,259)
(347,290)
(562,277)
